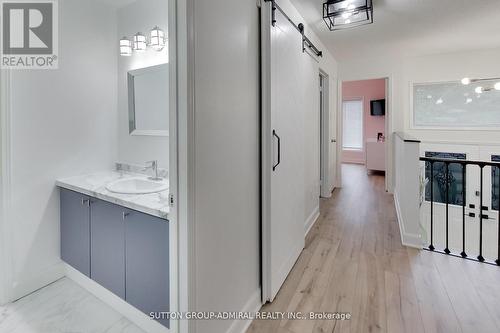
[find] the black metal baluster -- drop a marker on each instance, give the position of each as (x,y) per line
(498,198)
(464,199)
(431,247)
(480,257)
(447,179)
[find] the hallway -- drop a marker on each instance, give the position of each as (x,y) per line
(354,263)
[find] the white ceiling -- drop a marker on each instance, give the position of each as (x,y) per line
(411,28)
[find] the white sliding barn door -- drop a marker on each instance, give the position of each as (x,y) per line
(293,88)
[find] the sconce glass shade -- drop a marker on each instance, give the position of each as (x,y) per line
(140,44)
(125,47)
(157,39)
(345,14)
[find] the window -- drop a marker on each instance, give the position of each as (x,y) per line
(455,181)
(352,125)
(495,181)
(454,105)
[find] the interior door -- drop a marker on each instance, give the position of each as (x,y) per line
(291,71)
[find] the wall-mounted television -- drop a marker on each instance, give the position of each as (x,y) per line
(377,107)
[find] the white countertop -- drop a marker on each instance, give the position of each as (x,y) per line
(94,185)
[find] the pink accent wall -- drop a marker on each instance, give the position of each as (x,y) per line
(368,90)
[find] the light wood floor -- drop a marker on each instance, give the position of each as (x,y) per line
(354,262)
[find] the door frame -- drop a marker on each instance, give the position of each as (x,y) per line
(174,231)
(266,152)
(5,171)
(324,145)
(182,55)
(389,174)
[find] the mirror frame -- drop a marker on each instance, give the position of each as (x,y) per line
(131,102)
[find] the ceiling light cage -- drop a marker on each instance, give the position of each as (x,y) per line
(345,14)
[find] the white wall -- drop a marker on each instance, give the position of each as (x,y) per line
(62,123)
(226,159)
(140,16)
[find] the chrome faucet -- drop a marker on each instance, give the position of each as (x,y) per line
(153,165)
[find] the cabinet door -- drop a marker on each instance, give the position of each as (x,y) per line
(147,263)
(107,250)
(75,230)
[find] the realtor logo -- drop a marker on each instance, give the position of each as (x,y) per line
(29,34)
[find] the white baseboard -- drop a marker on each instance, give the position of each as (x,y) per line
(407,239)
(33,283)
(128,311)
(311,220)
(253,305)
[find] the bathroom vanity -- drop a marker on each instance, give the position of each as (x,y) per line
(120,241)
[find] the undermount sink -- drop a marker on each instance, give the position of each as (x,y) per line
(137,186)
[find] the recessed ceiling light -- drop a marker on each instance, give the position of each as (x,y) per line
(479,90)
(429,96)
(469,100)
(497,86)
(465,81)
(439,101)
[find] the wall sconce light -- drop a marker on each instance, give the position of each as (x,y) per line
(157,39)
(125,47)
(140,42)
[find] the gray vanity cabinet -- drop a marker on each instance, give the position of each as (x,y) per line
(147,263)
(125,251)
(75,230)
(107,249)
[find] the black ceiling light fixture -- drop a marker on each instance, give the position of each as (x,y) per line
(345,14)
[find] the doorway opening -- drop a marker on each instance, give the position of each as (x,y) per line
(364,125)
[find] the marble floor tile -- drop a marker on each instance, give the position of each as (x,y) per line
(62,307)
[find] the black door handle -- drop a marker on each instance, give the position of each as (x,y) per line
(279,150)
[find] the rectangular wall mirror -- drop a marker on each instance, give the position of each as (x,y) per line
(148,100)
